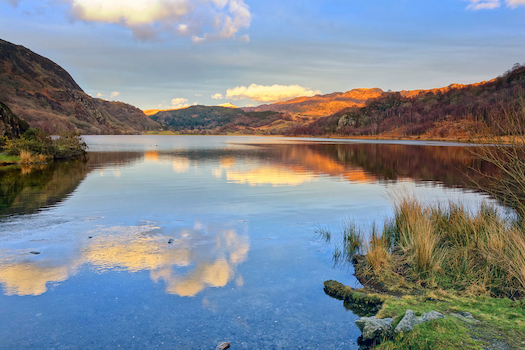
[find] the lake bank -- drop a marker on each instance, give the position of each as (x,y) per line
(444,258)
(240,214)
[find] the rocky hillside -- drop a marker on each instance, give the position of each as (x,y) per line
(320,105)
(10,125)
(454,112)
(46,96)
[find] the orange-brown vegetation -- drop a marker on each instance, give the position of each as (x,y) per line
(46,96)
(320,105)
(457,111)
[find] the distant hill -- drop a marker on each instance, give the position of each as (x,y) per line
(218,119)
(320,105)
(457,111)
(46,96)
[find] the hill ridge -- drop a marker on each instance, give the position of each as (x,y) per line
(45,95)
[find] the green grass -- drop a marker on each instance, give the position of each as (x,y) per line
(4,158)
(445,258)
(501,320)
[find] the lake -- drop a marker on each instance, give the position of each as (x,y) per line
(183,242)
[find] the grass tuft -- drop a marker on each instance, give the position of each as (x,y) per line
(446,246)
(25,157)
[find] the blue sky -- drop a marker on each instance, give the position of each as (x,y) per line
(171,53)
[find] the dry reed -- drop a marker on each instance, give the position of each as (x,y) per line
(25,157)
(451,247)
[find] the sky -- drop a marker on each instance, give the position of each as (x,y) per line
(160,54)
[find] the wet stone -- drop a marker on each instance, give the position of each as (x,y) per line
(223,346)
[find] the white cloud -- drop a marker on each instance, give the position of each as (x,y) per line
(217,97)
(197,40)
(492,4)
(99,95)
(198,95)
(274,93)
(514,3)
(202,20)
(114,94)
(179,103)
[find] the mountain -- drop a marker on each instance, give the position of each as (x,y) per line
(219,120)
(46,96)
(10,125)
(454,112)
(320,105)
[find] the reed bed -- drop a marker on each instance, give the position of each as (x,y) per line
(450,247)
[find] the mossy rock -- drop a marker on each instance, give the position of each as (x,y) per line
(362,304)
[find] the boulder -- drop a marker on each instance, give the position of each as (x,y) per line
(373,328)
(410,320)
(407,323)
(465,317)
(431,316)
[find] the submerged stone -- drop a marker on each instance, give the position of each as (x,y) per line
(223,346)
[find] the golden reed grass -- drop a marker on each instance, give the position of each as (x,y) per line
(450,246)
(25,157)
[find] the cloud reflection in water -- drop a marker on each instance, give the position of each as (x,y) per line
(197,259)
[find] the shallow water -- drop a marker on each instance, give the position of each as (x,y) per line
(188,241)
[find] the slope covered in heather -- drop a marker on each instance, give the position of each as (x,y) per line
(457,111)
(42,93)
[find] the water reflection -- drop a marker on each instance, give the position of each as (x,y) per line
(24,190)
(265,175)
(29,278)
(27,189)
(187,261)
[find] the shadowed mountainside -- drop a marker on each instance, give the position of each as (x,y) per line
(46,96)
(10,125)
(218,119)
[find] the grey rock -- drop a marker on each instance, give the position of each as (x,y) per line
(431,316)
(373,328)
(410,320)
(465,316)
(223,346)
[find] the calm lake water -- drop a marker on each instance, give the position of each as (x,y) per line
(186,241)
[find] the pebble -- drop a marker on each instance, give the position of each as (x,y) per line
(223,346)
